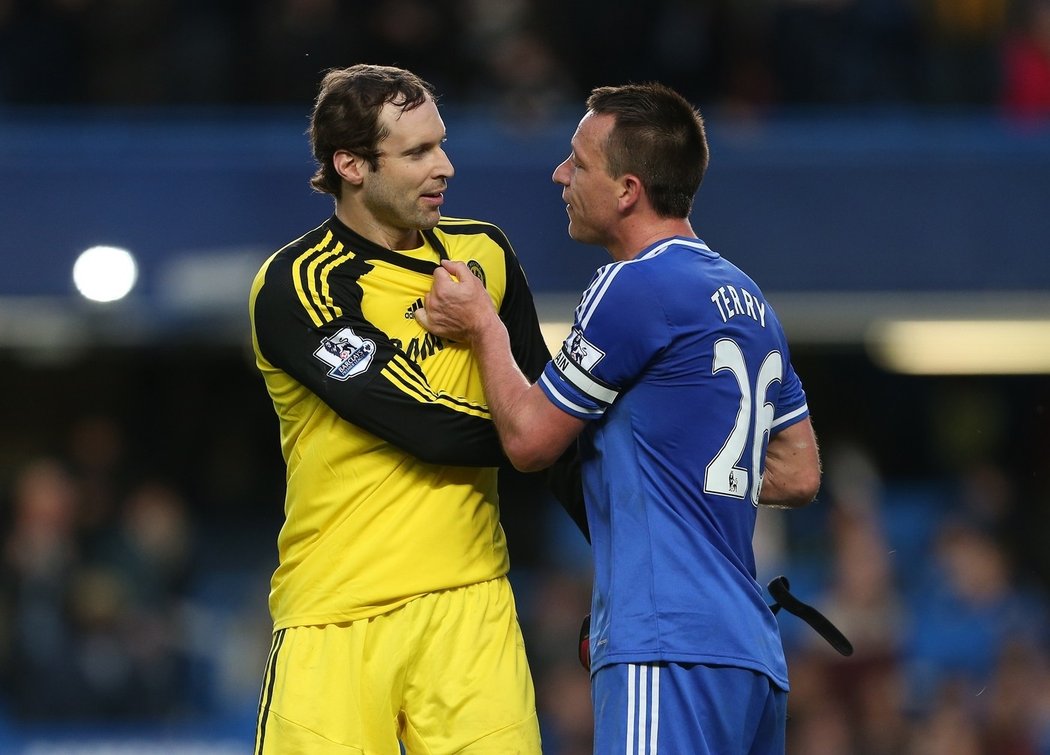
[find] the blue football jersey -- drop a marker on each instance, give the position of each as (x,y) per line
(683,366)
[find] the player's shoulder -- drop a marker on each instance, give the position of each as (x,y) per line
(691,259)
(470,236)
(463,225)
(467,227)
(276,271)
(313,241)
(315,238)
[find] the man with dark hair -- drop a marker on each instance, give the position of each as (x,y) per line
(677,382)
(394,622)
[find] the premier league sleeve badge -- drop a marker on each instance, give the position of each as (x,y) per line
(347,353)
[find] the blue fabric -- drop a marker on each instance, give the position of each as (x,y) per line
(687,710)
(684,368)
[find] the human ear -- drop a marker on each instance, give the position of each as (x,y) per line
(630,191)
(349,166)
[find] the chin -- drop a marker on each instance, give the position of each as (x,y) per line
(580,235)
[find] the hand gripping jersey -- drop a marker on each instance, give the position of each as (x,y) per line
(685,368)
(390,448)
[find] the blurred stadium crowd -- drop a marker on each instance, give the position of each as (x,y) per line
(134,570)
(527,56)
(135,550)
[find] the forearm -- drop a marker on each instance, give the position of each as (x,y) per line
(507,391)
(533,432)
(781,492)
(792,468)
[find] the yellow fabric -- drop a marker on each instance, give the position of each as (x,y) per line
(369,527)
(418,674)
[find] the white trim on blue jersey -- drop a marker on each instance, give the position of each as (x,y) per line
(643,708)
(606,274)
(585,382)
(563,401)
(787,418)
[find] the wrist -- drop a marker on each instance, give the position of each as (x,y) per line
(490,331)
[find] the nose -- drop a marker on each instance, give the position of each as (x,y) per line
(561,173)
(445,169)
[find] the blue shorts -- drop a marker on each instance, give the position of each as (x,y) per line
(675,709)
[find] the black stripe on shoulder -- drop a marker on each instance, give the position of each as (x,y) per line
(369,250)
(400,260)
(307,269)
(464,227)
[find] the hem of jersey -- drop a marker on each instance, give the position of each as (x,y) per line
(780,680)
(320,620)
(368,612)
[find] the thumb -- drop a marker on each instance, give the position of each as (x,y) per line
(423,318)
(456,268)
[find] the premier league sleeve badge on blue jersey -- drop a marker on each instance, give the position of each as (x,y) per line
(581,351)
(347,353)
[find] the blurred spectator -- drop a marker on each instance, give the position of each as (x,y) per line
(96,457)
(530,56)
(40,559)
(970,610)
(962,42)
(846,51)
(854,704)
(524,79)
(553,609)
(126,51)
(129,607)
(99,630)
(420,35)
(563,696)
(951,726)
(1026,64)
(686,50)
(1013,724)
(812,54)
(152,547)
(44,57)
(819,723)
(886,51)
(511,62)
(207,56)
(293,40)
(864,600)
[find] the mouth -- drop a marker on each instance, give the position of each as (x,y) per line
(436,198)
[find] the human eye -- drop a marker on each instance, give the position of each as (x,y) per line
(422,151)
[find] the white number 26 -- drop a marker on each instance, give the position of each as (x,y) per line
(724,476)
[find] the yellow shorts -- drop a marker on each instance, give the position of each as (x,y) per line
(445,673)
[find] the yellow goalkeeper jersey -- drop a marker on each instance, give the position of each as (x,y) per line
(390,449)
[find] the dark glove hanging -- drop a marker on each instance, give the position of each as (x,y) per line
(779,588)
(585,642)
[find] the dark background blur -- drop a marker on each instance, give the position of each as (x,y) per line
(871,159)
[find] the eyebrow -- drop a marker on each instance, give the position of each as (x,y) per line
(575,154)
(423,146)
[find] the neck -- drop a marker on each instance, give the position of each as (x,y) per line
(395,239)
(642,234)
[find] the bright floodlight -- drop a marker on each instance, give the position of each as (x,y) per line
(105,273)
